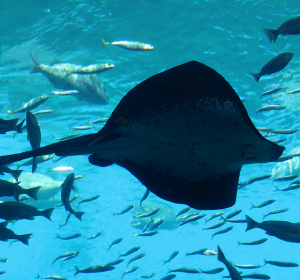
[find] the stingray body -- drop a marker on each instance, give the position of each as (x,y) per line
(89,87)
(184,133)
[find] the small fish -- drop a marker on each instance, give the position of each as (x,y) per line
(285,131)
(255,179)
(11,211)
(212,271)
(279,141)
(84,127)
(274,65)
(183,211)
(147,276)
(67,254)
(235,275)
(222,231)
(94,236)
(147,233)
(268,202)
(66,92)
(43,112)
(145,196)
(51,277)
(233,214)
(2,272)
(188,216)
(137,257)
(94,269)
(210,253)
(89,199)
(6,234)
(67,258)
(130,270)
(255,276)
(191,219)
(286,231)
(130,251)
(67,219)
(290,27)
(3,260)
(198,252)
(265,129)
(66,137)
(129,45)
(117,241)
(256,242)
(293,91)
(270,108)
(284,158)
(292,187)
(128,208)
(147,225)
(269,135)
(30,105)
(215,225)
(269,92)
(247,266)
(277,211)
(115,262)
(285,178)
(172,256)
(62,168)
(156,224)
(235,221)
(69,237)
(185,270)
(65,196)
(100,120)
(282,264)
(169,277)
(153,212)
(39,159)
(214,216)
(91,69)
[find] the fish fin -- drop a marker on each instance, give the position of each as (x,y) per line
(250,223)
(265,262)
(17,197)
(12,123)
(47,213)
(9,113)
(34,165)
(252,206)
(4,224)
(105,43)
(255,76)
(78,215)
(34,59)
(77,270)
(16,173)
(35,69)
(24,238)
(271,34)
(239,243)
(223,189)
(93,159)
(221,256)
(37,276)
(19,126)
(32,192)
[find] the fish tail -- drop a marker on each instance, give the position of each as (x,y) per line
(265,262)
(17,197)
(33,192)
(105,43)
(47,213)
(16,173)
(221,256)
(77,270)
(78,215)
(24,238)
(253,206)
(19,126)
(200,270)
(37,276)
(239,243)
(35,69)
(255,76)
(250,223)
(9,113)
(271,34)
(34,59)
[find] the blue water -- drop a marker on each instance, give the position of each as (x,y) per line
(225,35)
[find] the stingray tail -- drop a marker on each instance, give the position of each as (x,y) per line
(255,76)
(64,148)
(36,67)
(271,34)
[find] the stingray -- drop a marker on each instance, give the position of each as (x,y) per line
(183,133)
